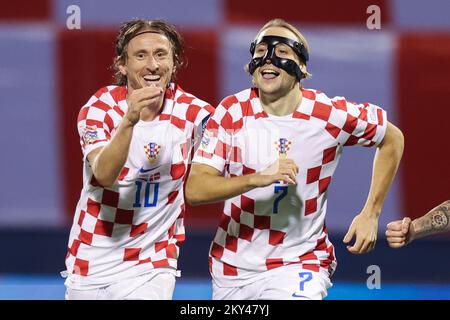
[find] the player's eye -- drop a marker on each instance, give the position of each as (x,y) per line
(161,54)
(282,51)
(261,48)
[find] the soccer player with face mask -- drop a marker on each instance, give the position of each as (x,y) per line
(270,153)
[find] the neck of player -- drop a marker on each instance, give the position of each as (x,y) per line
(281,103)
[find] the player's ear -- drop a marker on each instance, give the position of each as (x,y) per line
(120,63)
(122,69)
(303,68)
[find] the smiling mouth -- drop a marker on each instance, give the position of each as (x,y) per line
(269,74)
(152,80)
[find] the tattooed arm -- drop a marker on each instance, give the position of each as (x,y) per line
(400,233)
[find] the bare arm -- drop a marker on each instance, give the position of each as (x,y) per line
(206,185)
(387,159)
(386,162)
(434,222)
(401,232)
(108,161)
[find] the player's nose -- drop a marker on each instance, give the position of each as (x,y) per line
(152,64)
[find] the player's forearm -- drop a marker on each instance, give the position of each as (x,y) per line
(386,162)
(204,188)
(109,162)
(434,222)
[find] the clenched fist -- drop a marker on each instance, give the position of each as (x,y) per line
(140,99)
(399,233)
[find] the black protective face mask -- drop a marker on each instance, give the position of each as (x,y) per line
(288,65)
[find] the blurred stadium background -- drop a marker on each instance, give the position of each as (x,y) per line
(48,72)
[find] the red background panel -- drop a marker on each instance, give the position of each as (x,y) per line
(84,60)
(423,99)
(329,12)
(32,10)
(201,74)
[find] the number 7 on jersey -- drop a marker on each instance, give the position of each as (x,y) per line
(282,190)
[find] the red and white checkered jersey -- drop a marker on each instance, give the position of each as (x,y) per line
(136,225)
(281,224)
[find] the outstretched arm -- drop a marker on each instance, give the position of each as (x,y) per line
(401,232)
(206,185)
(387,159)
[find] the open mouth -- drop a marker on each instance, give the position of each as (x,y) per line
(269,74)
(152,80)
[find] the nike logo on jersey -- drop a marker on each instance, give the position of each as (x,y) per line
(142,170)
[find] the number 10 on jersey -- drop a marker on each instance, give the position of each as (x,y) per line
(150,195)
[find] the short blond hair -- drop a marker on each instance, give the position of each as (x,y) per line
(278,22)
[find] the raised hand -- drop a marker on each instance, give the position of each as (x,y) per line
(140,99)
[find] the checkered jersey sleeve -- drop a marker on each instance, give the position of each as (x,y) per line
(200,123)
(215,145)
(361,124)
(95,125)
